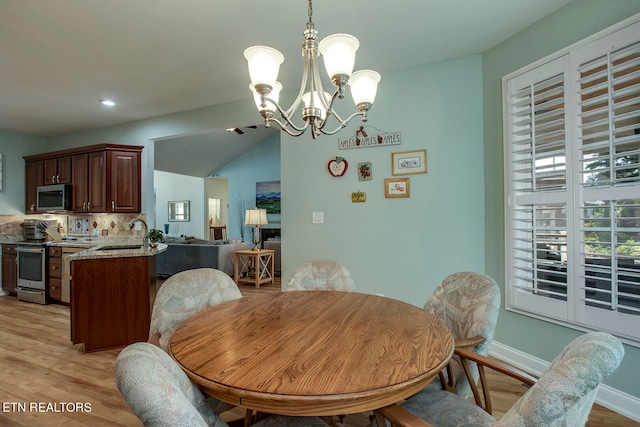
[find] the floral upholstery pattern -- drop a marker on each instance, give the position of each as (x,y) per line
(185,294)
(563,396)
(157,390)
(161,395)
(468,303)
(320,275)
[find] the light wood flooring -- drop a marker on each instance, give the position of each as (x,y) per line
(39,368)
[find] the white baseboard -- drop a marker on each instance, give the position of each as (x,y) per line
(609,397)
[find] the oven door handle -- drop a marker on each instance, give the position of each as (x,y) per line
(31,250)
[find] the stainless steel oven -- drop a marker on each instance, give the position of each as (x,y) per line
(31,273)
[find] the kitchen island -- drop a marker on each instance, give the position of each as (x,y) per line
(113,288)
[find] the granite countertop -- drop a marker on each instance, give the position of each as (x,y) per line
(117,250)
(98,247)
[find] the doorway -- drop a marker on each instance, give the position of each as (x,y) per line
(217,202)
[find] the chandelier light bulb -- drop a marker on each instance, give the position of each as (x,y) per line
(364,86)
(339,53)
(264,64)
(317,102)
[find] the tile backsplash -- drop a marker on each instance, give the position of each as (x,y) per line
(105,224)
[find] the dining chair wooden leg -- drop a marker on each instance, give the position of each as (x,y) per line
(248,417)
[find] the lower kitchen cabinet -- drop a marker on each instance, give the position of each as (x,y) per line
(9,268)
(111,301)
(55,273)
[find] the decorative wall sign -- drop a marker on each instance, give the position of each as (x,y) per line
(358,197)
(409,162)
(338,167)
(396,187)
(365,173)
(268,196)
(369,137)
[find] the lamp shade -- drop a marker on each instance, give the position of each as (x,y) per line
(339,53)
(275,95)
(264,64)
(364,85)
(255,217)
(317,102)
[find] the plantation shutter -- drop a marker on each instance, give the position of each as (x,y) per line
(572,161)
(537,194)
(608,125)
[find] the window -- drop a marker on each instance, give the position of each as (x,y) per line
(572,134)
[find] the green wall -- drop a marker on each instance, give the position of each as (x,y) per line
(13,147)
(568,25)
(399,247)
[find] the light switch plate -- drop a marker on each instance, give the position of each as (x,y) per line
(318,218)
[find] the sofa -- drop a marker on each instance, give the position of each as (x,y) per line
(187,254)
(274,245)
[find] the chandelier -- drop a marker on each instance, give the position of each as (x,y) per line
(339,52)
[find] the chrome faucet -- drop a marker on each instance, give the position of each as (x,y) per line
(146,229)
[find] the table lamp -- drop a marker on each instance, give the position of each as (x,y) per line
(256,217)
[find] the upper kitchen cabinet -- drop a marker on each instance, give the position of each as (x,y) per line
(124,179)
(34,177)
(89,178)
(57,170)
(105,177)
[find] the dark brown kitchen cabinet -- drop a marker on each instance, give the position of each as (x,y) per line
(9,268)
(34,173)
(105,177)
(54,277)
(124,181)
(89,177)
(111,301)
(57,170)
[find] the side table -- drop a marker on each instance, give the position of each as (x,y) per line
(258,266)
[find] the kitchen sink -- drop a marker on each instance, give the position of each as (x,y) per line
(117,247)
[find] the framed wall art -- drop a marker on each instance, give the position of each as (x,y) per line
(396,187)
(409,162)
(268,196)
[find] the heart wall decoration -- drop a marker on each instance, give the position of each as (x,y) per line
(338,166)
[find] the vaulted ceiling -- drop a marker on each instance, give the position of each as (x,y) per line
(58,58)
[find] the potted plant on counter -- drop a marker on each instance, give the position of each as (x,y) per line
(155,236)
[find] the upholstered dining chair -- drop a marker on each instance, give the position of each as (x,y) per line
(320,275)
(185,294)
(468,303)
(563,396)
(161,395)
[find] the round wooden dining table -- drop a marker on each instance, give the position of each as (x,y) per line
(312,352)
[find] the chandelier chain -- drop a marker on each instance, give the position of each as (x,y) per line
(310,23)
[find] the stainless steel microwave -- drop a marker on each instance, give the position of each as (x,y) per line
(54,197)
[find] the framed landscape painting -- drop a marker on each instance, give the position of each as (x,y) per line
(268,196)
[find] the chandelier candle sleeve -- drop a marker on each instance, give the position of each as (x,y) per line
(338,52)
(274,95)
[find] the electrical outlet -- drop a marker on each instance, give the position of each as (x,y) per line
(318,218)
(138,226)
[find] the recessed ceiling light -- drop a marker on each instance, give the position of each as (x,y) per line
(107,102)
